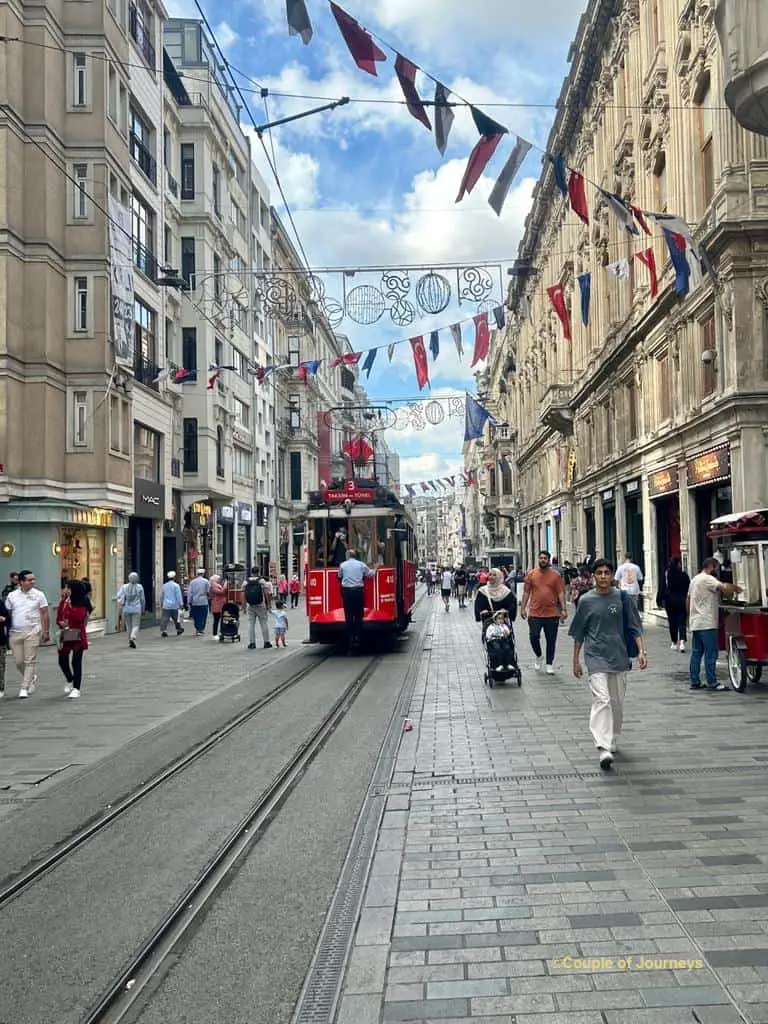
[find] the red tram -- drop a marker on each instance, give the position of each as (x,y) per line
(369,518)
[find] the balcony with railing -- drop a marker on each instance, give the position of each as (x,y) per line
(145,260)
(145,371)
(142,35)
(143,158)
(555,409)
(171,184)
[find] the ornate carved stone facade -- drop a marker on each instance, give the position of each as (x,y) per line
(608,428)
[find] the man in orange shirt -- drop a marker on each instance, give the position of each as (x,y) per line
(544,606)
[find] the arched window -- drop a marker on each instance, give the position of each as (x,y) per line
(219,451)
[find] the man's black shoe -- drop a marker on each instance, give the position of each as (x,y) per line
(267,644)
(251,647)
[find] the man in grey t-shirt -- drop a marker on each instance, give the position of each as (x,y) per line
(599,627)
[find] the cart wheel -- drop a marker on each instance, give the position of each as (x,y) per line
(737,667)
(519,678)
(755,673)
(489,680)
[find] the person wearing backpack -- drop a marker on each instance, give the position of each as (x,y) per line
(256,599)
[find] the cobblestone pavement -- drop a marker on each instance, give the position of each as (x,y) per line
(516,883)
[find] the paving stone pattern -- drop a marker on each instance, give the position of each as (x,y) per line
(516,883)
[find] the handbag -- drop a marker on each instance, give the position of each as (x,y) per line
(630,640)
(69,636)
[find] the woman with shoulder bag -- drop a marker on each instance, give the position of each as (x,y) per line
(71,618)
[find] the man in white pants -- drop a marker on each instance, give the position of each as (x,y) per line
(30,626)
(604,617)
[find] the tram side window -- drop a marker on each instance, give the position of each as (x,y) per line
(746,573)
(384,541)
(765,575)
(317,548)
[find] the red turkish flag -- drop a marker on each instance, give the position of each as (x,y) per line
(358,449)
(578,196)
(647,257)
(557,297)
(477,163)
(420,362)
(361,45)
(482,338)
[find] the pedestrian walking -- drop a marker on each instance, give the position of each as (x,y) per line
(172,603)
(295,589)
(71,618)
(11,585)
(280,622)
(429,579)
(352,576)
(198,598)
(30,626)
(495,596)
(630,578)
(131,604)
(460,582)
(257,599)
(607,628)
(581,584)
(218,598)
(672,596)
(544,605)
(702,605)
(446,586)
(5,622)
(283,589)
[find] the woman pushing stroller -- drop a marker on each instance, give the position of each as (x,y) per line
(496,609)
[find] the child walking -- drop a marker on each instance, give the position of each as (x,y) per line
(280,619)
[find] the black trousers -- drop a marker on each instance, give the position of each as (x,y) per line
(550,627)
(294,600)
(353,613)
(216,616)
(72,673)
(500,653)
(676,620)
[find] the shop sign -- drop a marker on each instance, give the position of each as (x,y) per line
(201,512)
(244,512)
(225,514)
(148,499)
(92,517)
(709,467)
(632,487)
(663,481)
(607,496)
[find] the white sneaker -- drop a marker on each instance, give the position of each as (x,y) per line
(23,692)
(32,686)
(74,694)
(510,668)
(550,670)
(682,646)
(673,647)
(68,689)
(537,665)
(2,692)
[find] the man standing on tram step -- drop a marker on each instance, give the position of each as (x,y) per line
(603,619)
(256,596)
(172,602)
(352,574)
(702,605)
(544,605)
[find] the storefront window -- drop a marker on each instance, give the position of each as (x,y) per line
(82,557)
(745,563)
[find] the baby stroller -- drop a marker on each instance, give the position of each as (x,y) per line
(501,673)
(229,623)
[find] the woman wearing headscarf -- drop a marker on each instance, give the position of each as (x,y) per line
(494,596)
(131,603)
(71,617)
(218,600)
(672,594)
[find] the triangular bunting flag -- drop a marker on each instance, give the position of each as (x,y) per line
(406,75)
(619,269)
(676,246)
(672,222)
(434,344)
(492,133)
(621,211)
(424,487)
(391,350)
(585,287)
(649,260)
(557,297)
(498,316)
(420,362)
(360,44)
(298,20)
(458,341)
(482,338)
(443,117)
(369,361)
(161,375)
(181,375)
(639,216)
(578,196)
(475,418)
(558,166)
(411,490)
(212,379)
(348,359)
(504,181)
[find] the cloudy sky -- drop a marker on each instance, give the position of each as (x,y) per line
(366,183)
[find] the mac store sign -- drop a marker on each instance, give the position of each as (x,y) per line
(148,499)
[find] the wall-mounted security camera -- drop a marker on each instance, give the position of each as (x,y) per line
(708,356)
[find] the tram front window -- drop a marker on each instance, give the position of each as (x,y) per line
(361,539)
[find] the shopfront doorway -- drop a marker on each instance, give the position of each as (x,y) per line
(709,477)
(710,502)
(608,499)
(140,555)
(590,527)
(633,514)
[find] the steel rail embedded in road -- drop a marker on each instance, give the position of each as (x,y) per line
(93,828)
(122,997)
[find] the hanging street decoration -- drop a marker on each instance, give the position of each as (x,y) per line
(406,75)
(557,297)
(360,44)
(508,174)
(491,134)
(444,117)
(578,196)
(298,20)
(475,418)
(482,339)
(420,362)
(648,259)
(585,289)
(433,293)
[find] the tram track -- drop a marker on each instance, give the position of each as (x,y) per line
(64,850)
(123,998)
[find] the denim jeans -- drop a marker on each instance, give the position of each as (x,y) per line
(704,643)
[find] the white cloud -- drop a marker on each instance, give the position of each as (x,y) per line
(226,36)
(299,172)
(428,467)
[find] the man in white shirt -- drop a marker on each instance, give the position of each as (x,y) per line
(630,578)
(446,587)
(30,626)
(702,605)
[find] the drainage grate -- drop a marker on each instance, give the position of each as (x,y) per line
(626,774)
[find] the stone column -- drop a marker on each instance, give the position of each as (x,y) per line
(749,469)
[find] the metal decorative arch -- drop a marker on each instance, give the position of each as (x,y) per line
(433,293)
(365,305)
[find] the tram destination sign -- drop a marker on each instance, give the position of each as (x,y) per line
(364,494)
(709,467)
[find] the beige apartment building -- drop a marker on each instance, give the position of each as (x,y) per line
(654,419)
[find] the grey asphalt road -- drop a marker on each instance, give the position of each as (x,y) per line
(247,961)
(75,928)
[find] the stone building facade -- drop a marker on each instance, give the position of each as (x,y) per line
(654,418)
